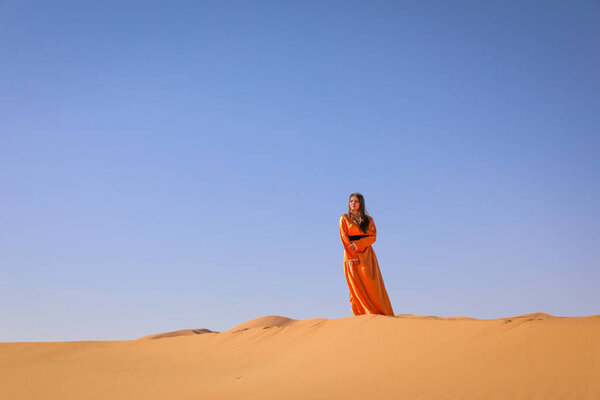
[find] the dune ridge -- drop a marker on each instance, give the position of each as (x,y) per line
(181,332)
(528,356)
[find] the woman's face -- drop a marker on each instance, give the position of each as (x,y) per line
(354,204)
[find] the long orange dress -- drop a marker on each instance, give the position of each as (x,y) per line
(367,291)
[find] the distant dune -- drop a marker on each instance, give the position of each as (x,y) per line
(531,356)
(181,332)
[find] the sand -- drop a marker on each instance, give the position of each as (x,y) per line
(534,356)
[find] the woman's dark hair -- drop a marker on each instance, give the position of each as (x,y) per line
(364,217)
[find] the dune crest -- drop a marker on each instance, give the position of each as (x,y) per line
(536,315)
(268,321)
(180,332)
(419,316)
(271,321)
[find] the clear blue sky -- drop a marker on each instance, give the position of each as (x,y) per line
(170,165)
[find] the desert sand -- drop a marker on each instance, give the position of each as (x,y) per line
(533,356)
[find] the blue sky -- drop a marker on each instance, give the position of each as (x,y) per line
(171,165)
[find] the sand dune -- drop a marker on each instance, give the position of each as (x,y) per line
(181,332)
(531,356)
(269,321)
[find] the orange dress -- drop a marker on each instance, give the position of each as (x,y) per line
(367,291)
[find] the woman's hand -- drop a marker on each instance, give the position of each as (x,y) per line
(353,247)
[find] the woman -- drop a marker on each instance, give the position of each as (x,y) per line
(358,233)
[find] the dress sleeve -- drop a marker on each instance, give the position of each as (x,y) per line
(364,243)
(344,232)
